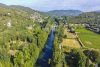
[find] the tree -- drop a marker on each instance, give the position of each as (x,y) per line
(19,60)
(87,62)
(93,55)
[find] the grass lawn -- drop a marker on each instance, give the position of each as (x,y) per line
(89,38)
(71,43)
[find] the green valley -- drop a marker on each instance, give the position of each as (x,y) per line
(56,38)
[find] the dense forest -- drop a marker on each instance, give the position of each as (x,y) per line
(27,37)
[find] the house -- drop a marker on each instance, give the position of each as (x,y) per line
(9,23)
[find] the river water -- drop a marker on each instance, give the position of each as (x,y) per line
(47,52)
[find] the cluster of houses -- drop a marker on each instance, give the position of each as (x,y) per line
(36,16)
(93,27)
(71,28)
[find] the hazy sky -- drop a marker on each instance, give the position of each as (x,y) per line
(46,5)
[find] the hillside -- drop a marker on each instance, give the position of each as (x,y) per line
(27,9)
(3,5)
(21,36)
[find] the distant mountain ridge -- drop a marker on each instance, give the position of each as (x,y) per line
(50,13)
(64,12)
(2,4)
(27,9)
(18,7)
(97,11)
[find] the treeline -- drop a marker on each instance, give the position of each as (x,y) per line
(57,59)
(87,17)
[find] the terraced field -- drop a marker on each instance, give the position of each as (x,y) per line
(70,41)
(89,38)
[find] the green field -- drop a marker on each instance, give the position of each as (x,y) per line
(89,38)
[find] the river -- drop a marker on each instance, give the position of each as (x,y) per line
(47,52)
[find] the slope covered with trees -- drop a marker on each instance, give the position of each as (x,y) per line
(21,36)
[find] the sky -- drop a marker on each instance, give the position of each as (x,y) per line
(47,5)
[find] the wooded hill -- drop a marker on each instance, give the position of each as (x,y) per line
(21,36)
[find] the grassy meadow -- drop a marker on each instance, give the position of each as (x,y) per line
(89,38)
